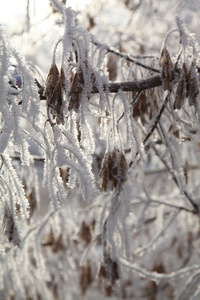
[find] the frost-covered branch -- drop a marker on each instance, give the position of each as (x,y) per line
(157,276)
(114,153)
(137,86)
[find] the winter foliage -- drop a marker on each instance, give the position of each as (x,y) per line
(118,139)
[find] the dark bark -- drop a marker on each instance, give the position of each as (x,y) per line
(137,85)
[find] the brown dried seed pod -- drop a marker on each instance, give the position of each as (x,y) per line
(76,90)
(9,226)
(193,89)
(165,58)
(181,90)
(167,65)
(141,107)
(85,278)
(85,233)
(62,77)
(56,243)
(52,79)
(144,106)
(113,171)
(91,22)
(53,92)
(112,67)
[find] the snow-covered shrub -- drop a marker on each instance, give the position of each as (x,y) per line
(121,164)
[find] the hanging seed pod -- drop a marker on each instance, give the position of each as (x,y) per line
(113,171)
(141,107)
(53,93)
(52,80)
(91,22)
(144,106)
(193,89)
(154,105)
(85,233)
(62,78)
(85,277)
(76,90)
(112,67)
(181,91)
(9,226)
(167,65)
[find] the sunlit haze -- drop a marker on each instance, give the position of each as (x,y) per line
(12,12)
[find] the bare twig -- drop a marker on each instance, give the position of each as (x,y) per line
(157,119)
(126,57)
(194,205)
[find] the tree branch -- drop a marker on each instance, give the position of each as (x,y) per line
(129,86)
(137,85)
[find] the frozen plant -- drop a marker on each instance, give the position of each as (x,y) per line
(120,161)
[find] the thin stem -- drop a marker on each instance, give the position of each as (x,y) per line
(157,119)
(126,57)
(195,206)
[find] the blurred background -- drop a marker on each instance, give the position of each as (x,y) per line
(134,26)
